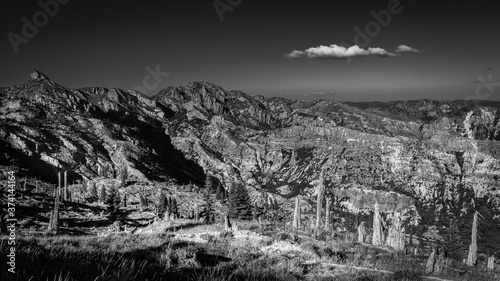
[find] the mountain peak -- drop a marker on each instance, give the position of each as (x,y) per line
(38,75)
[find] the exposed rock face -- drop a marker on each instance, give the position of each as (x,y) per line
(274,145)
(92,132)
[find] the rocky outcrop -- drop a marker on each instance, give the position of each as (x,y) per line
(273,145)
(92,132)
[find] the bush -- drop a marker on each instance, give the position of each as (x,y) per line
(210,238)
(323,235)
(226,234)
(285,236)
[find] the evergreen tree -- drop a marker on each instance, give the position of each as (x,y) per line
(208,207)
(93,193)
(208,183)
(173,207)
(143,202)
(219,194)
(112,201)
(162,206)
(102,195)
(239,203)
(452,242)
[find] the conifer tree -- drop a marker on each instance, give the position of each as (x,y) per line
(208,183)
(239,203)
(173,207)
(208,207)
(93,193)
(102,195)
(112,201)
(219,194)
(162,206)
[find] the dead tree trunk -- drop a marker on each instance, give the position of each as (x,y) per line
(296,213)
(378,233)
(361,232)
(65,192)
(327,213)
(472,256)
(396,237)
(410,248)
(227,223)
(58,184)
(319,201)
(54,214)
(429,267)
(491,262)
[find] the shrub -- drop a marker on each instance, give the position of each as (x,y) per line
(209,237)
(285,236)
(226,234)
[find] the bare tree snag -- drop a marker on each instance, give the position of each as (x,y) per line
(227,223)
(59,184)
(65,192)
(319,200)
(378,233)
(327,213)
(361,232)
(396,237)
(472,256)
(429,267)
(491,262)
(296,213)
(379,202)
(54,214)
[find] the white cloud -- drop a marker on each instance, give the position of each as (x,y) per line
(338,52)
(406,49)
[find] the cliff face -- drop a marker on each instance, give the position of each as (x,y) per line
(274,145)
(92,132)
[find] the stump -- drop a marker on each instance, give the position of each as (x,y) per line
(491,262)
(361,232)
(440,264)
(429,267)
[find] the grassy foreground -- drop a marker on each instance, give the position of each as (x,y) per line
(191,251)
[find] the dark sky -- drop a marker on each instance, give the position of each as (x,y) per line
(110,43)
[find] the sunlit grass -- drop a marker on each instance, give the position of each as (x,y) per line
(159,256)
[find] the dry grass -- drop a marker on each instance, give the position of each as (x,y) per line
(161,254)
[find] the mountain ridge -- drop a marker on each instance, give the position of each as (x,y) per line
(272,145)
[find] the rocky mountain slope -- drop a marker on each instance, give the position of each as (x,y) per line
(274,145)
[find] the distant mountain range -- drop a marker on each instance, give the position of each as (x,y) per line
(380,104)
(271,145)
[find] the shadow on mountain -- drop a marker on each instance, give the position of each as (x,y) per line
(173,162)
